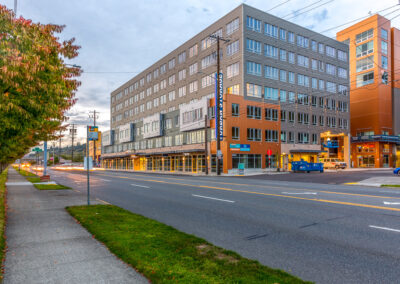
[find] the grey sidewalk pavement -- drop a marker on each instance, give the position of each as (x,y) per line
(46,245)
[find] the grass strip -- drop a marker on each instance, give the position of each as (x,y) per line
(3,179)
(50,186)
(390,185)
(164,254)
(25,173)
(33,179)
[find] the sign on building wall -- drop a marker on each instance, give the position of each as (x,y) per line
(239,147)
(219,102)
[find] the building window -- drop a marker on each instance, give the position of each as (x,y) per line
(314,119)
(291,116)
(314,83)
(330,51)
(253,46)
(253,24)
(253,134)
(330,69)
(182,57)
(291,57)
(384,34)
(302,41)
(270,51)
(253,112)
(384,47)
(271,114)
(303,138)
(271,72)
(235,110)
(193,50)
(171,80)
(290,37)
(253,90)
(302,61)
(365,49)
(232,70)
(250,161)
(233,90)
(365,79)
(282,55)
(283,115)
(291,77)
(330,87)
(322,85)
(182,74)
(271,94)
(292,97)
(384,62)
(314,45)
(232,48)
(206,81)
(283,136)
(291,137)
(209,60)
(365,63)
(282,96)
(342,55)
(193,87)
(364,36)
(232,26)
(282,75)
(253,68)
(235,133)
(193,69)
(282,34)
(271,135)
(171,63)
(271,30)
(342,73)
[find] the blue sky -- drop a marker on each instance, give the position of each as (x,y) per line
(128,36)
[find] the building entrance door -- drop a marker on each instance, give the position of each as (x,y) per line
(385,161)
(194,163)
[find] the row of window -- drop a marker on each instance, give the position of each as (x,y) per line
(271,30)
(254,90)
(290,57)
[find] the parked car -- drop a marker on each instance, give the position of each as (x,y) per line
(397,171)
(333,163)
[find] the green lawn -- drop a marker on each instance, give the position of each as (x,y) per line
(165,255)
(50,186)
(390,185)
(3,178)
(25,173)
(33,179)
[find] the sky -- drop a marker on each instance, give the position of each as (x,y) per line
(120,38)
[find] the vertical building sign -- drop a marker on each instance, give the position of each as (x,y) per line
(219,100)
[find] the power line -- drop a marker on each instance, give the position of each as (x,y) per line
(310,9)
(278,5)
(312,4)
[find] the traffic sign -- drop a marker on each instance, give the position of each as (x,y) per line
(37,149)
(93,133)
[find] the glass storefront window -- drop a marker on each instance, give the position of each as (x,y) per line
(250,161)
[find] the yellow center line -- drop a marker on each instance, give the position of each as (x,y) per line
(269,194)
(279,188)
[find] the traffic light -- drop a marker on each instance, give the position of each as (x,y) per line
(385,77)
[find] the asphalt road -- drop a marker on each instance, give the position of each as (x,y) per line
(319,232)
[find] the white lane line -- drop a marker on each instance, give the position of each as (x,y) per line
(105,179)
(105,202)
(391,203)
(213,198)
(314,193)
(387,191)
(139,185)
(384,228)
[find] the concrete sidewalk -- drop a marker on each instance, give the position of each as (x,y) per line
(46,245)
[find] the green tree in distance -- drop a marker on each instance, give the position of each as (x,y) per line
(36,86)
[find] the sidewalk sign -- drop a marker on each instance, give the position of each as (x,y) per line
(241,169)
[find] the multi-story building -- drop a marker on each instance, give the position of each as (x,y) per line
(285,98)
(375,91)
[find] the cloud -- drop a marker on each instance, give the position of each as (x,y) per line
(321,16)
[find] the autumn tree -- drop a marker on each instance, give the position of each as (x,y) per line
(36,86)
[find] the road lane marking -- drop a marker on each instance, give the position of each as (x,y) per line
(314,193)
(387,191)
(138,185)
(275,195)
(213,198)
(105,202)
(391,203)
(105,179)
(384,228)
(257,185)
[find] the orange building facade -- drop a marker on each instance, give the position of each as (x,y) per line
(374,57)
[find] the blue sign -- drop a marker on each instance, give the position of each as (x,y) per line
(239,147)
(219,102)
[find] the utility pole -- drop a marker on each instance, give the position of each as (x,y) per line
(72,131)
(93,114)
(15,7)
(205,143)
(218,113)
(59,149)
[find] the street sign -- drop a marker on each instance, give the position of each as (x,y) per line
(241,169)
(37,149)
(93,133)
(219,154)
(86,163)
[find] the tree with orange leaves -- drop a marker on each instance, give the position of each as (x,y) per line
(36,86)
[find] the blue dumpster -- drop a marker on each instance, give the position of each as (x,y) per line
(303,166)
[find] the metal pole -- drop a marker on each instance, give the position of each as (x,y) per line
(87,164)
(72,149)
(45,158)
(59,149)
(217,114)
(15,7)
(94,141)
(206,143)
